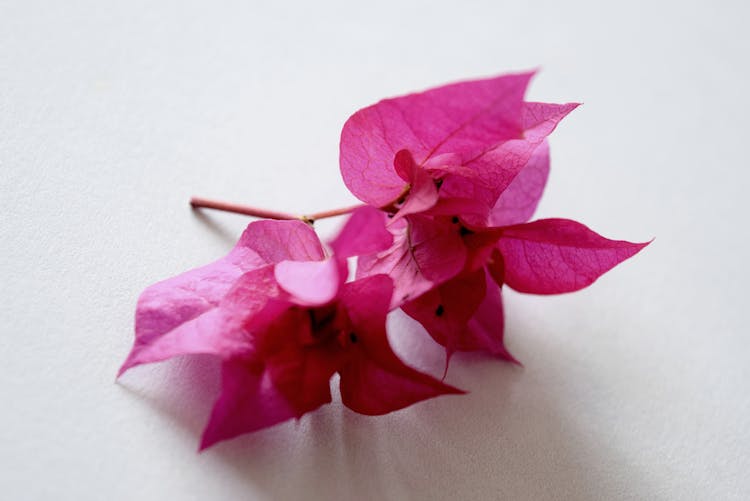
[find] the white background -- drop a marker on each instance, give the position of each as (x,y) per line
(113,113)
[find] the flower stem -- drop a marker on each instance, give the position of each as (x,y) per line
(205,203)
(333,212)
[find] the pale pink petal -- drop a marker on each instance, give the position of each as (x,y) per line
(520,199)
(551,256)
(424,253)
(464,118)
(220,330)
(277,241)
(175,307)
(310,283)
(167,304)
(374,380)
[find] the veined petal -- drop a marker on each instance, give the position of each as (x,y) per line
(220,331)
(423,253)
(498,166)
(174,307)
(464,118)
(552,256)
(520,199)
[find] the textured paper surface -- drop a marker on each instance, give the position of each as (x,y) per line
(112,116)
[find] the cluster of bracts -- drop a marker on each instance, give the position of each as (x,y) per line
(449,178)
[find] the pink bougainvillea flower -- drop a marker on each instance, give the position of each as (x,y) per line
(548,256)
(283,321)
(448,276)
(459,169)
(183,313)
(450,177)
(454,148)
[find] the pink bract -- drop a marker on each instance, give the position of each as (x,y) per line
(463,142)
(422,255)
(552,256)
(282,320)
(178,311)
(461,168)
(450,176)
(462,118)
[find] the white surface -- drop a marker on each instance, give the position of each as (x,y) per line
(111,116)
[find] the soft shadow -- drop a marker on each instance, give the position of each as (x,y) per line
(509,438)
(224,233)
(184,388)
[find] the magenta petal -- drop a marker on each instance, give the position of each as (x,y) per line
(423,193)
(463,118)
(424,252)
(446,310)
(249,401)
(464,314)
(520,199)
(485,330)
(255,396)
(498,166)
(281,378)
(469,210)
(364,232)
(375,387)
(311,283)
(540,119)
(374,380)
(367,302)
(551,256)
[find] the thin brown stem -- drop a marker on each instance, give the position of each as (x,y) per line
(332,213)
(205,203)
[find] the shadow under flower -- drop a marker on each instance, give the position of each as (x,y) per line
(222,231)
(508,438)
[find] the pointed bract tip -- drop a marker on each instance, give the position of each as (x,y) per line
(508,357)
(448,355)
(206,441)
(122,370)
(641,245)
(454,391)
